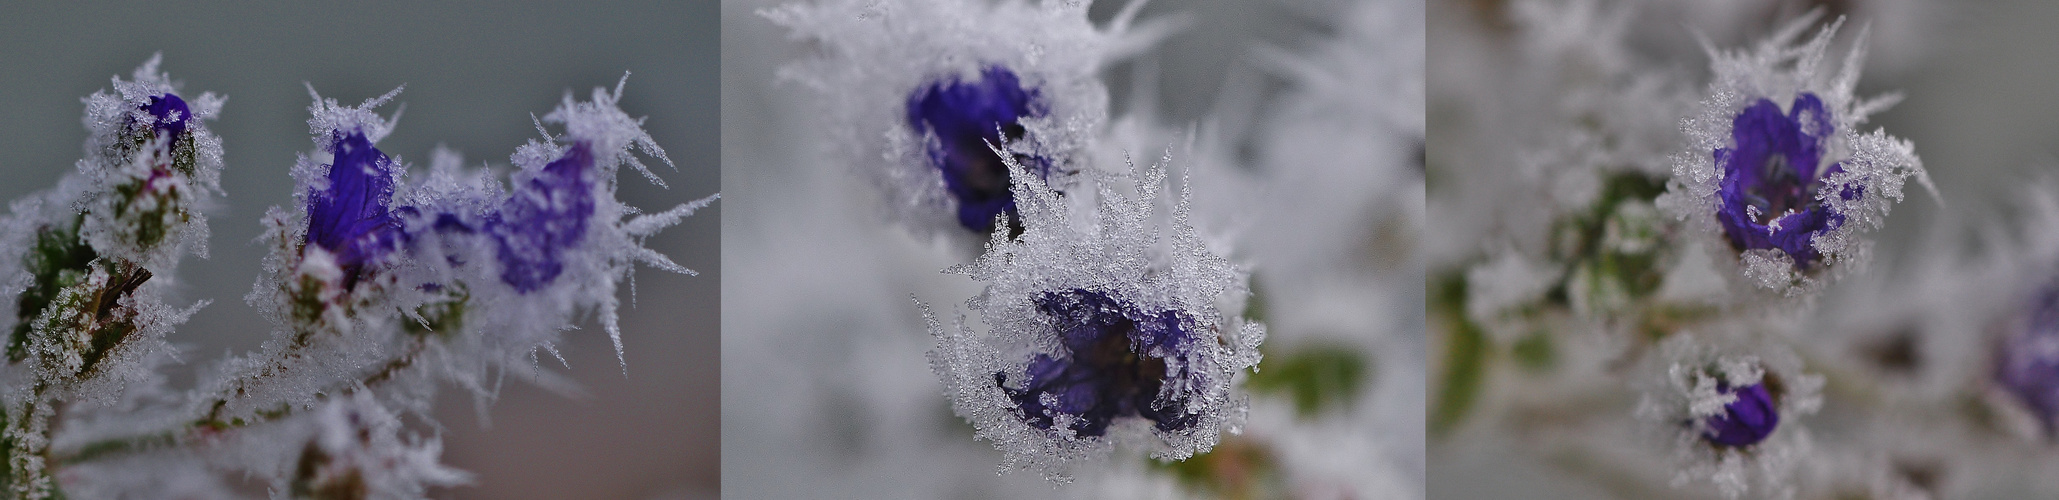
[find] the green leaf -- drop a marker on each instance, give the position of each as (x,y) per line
(1465,355)
(1316,377)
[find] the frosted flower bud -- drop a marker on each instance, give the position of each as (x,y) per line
(1722,401)
(151,164)
(345,198)
(966,116)
(1749,417)
(1789,189)
(170,113)
(349,215)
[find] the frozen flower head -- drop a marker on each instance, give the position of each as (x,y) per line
(1777,163)
(965,117)
(2027,360)
(1772,177)
(1747,419)
(1111,364)
(1730,415)
(349,212)
(1099,331)
(152,164)
(915,91)
(346,198)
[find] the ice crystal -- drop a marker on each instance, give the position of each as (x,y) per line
(1100,329)
(913,90)
(1789,189)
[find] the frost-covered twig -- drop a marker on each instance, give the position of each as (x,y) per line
(380,286)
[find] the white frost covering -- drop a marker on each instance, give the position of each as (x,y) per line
(872,56)
(1875,164)
(1111,247)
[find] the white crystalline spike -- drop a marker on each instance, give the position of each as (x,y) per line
(650,224)
(458,223)
(398,110)
(330,117)
(381,100)
(646,171)
(660,261)
(613,326)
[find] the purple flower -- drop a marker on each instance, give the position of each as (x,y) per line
(1112,365)
(966,116)
(1745,421)
(171,115)
(544,217)
(1771,180)
(2028,359)
(350,216)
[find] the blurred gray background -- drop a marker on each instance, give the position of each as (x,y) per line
(474,71)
